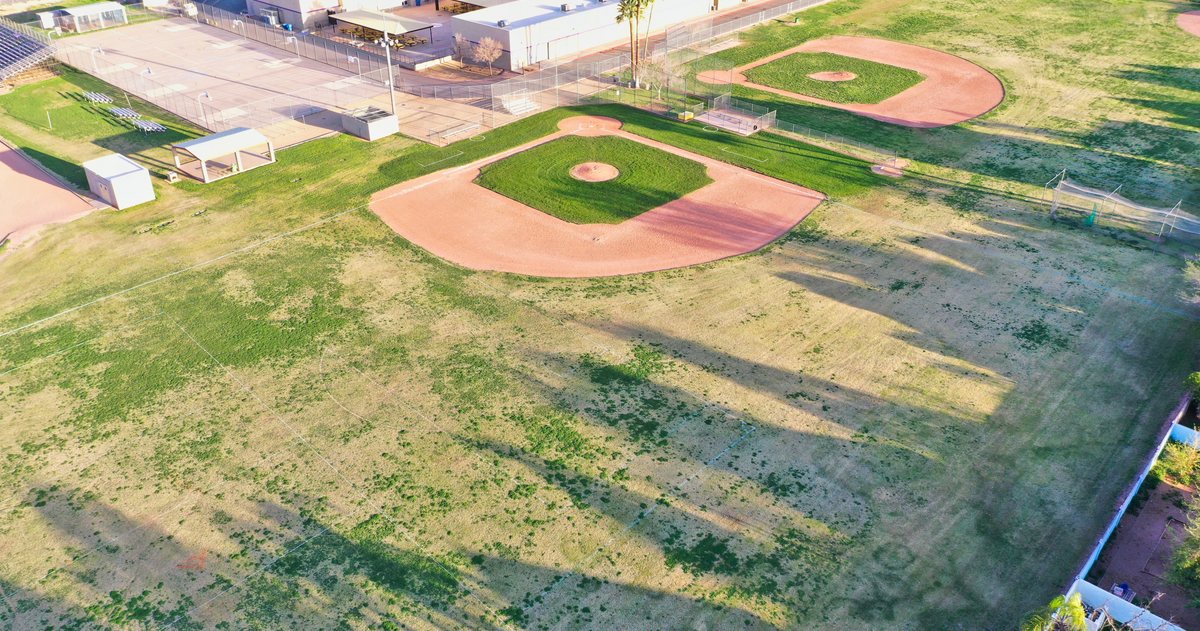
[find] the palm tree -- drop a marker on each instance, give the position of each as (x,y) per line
(1062,614)
(645,51)
(631,11)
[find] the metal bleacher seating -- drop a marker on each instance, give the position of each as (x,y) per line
(97,97)
(124,112)
(148,126)
(20,52)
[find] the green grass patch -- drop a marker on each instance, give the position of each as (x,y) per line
(52,122)
(875,82)
(541,178)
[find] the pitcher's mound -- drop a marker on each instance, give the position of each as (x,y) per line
(594,172)
(833,76)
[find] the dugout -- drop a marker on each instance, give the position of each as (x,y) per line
(223,154)
(119,181)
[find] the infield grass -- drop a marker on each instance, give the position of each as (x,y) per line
(540,177)
(874,83)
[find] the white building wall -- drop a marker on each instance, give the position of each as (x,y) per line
(301,14)
(562,34)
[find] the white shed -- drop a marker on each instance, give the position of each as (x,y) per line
(119,181)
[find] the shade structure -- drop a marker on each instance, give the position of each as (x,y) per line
(229,151)
(382,22)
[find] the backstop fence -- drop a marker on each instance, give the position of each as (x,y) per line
(1122,209)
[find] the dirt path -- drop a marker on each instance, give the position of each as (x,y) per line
(456,219)
(955,90)
(1189,22)
(32,199)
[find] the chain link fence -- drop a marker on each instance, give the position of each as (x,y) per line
(255,114)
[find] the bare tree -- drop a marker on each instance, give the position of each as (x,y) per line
(659,72)
(487,51)
(462,47)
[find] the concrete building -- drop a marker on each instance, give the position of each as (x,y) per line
(119,181)
(307,14)
(540,30)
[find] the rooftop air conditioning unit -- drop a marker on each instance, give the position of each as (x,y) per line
(566,7)
(502,23)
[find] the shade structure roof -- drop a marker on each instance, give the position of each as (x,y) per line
(112,166)
(93,9)
(383,22)
(223,143)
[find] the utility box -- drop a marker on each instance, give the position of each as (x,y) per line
(119,181)
(369,123)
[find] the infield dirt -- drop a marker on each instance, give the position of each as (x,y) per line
(955,90)
(458,220)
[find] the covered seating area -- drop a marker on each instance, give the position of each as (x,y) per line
(91,17)
(223,154)
(371,25)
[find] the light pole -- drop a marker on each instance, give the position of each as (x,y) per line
(200,104)
(386,42)
(292,38)
(239,23)
(354,60)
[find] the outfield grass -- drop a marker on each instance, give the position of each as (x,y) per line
(1088,98)
(939,431)
(540,177)
(874,83)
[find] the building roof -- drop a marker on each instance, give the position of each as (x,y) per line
(111,166)
(383,22)
(522,13)
(223,143)
(93,9)
(487,3)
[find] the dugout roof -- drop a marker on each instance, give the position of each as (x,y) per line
(93,9)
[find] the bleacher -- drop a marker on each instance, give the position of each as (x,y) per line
(20,52)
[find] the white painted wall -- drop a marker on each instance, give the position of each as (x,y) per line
(539,31)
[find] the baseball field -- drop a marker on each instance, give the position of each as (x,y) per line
(255,405)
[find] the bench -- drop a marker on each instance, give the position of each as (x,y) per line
(124,112)
(454,131)
(149,126)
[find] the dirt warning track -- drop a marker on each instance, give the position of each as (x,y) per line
(954,89)
(458,220)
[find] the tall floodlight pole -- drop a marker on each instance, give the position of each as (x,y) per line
(387,48)
(199,104)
